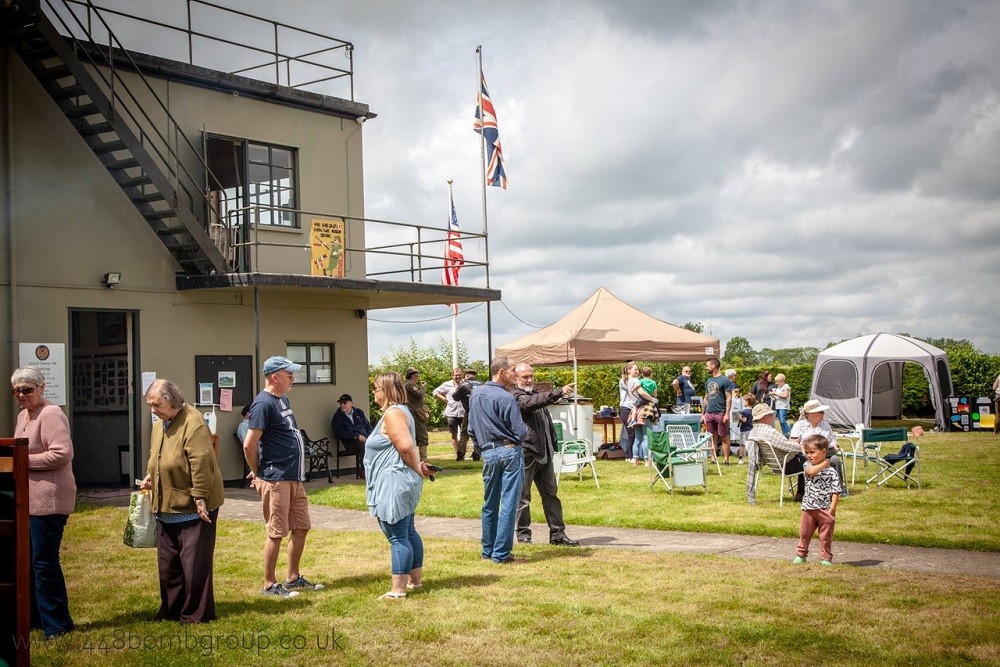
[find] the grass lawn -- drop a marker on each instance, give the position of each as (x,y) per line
(566,607)
(955,508)
(569,607)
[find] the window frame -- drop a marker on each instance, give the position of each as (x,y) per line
(302,376)
(245,187)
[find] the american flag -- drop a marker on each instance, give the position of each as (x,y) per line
(486,124)
(454,259)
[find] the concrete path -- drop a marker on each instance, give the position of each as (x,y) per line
(242,504)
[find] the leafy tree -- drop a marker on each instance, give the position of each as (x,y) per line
(434,366)
(739,352)
(696,327)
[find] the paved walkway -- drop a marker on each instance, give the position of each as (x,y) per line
(242,504)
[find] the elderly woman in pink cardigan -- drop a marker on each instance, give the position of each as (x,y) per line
(51,496)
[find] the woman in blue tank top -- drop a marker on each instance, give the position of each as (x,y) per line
(394,477)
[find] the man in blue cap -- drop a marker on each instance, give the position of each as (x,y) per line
(275,452)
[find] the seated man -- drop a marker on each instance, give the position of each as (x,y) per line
(350,425)
(763,430)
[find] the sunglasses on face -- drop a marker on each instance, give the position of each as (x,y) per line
(26,391)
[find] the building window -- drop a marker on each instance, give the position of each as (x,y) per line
(317,362)
(248,174)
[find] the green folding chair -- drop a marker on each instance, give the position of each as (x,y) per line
(684,466)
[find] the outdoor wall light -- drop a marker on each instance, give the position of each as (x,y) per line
(111,279)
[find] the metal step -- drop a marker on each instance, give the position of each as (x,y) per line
(160,215)
(148,198)
(67,92)
(121,165)
(134,181)
(170,231)
(91,129)
(81,110)
(104,147)
(59,71)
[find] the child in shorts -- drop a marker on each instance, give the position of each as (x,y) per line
(819,504)
(745,424)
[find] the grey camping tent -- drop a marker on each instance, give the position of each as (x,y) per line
(863,377)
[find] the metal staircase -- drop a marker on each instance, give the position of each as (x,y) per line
(137,152)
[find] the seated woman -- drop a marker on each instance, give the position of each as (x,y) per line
(350,425)
(813,422)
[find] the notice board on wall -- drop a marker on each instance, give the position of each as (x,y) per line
(233,372)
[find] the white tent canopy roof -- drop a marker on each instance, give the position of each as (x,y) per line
(862,377)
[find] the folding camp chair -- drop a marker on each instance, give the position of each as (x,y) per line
(855,453)
(702,442)
(685,466)
(776,461)
(904,465)
(573,456)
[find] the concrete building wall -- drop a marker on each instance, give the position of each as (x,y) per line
(70,224)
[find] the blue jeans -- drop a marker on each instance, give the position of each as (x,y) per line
(641,449)
(627,438)
(503,474)
(405,545)
(783,421)
(49,602)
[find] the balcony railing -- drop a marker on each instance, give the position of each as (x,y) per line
(216,37)
(411,253)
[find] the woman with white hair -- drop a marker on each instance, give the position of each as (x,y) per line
(51,496)
(187,492)
(781,396)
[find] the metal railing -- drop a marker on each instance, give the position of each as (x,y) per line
(277,61)
(420,257)
(169,145)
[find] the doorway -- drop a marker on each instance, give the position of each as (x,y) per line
(103,412)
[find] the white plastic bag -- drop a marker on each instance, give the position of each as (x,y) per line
(140,527)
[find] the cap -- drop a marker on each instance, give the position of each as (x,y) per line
(760,411)
(344,398)
(410,372)
(275,364)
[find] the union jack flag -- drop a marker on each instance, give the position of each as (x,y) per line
(454,258)
(486,125)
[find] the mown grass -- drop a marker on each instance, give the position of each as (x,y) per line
(567,607)
(954,509)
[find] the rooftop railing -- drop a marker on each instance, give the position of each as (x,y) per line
(216,37)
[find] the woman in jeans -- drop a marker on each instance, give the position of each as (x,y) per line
(394,478)
(626,401)
(51,497)
(782,397)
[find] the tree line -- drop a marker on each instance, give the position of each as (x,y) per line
(972,372)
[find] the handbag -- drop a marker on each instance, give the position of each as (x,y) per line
(140,526)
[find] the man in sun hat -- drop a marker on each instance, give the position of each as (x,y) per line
(275,452)
(763,431)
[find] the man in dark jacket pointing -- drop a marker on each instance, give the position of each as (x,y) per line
(539,449)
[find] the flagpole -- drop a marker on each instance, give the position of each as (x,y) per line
(454,307)
(482,181)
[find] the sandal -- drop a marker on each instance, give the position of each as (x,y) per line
(392,596)
(413,587)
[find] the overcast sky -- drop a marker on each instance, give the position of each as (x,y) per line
(791,172)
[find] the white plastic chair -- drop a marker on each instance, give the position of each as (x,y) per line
(686,439)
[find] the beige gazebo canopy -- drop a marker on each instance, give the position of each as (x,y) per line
(605,329)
